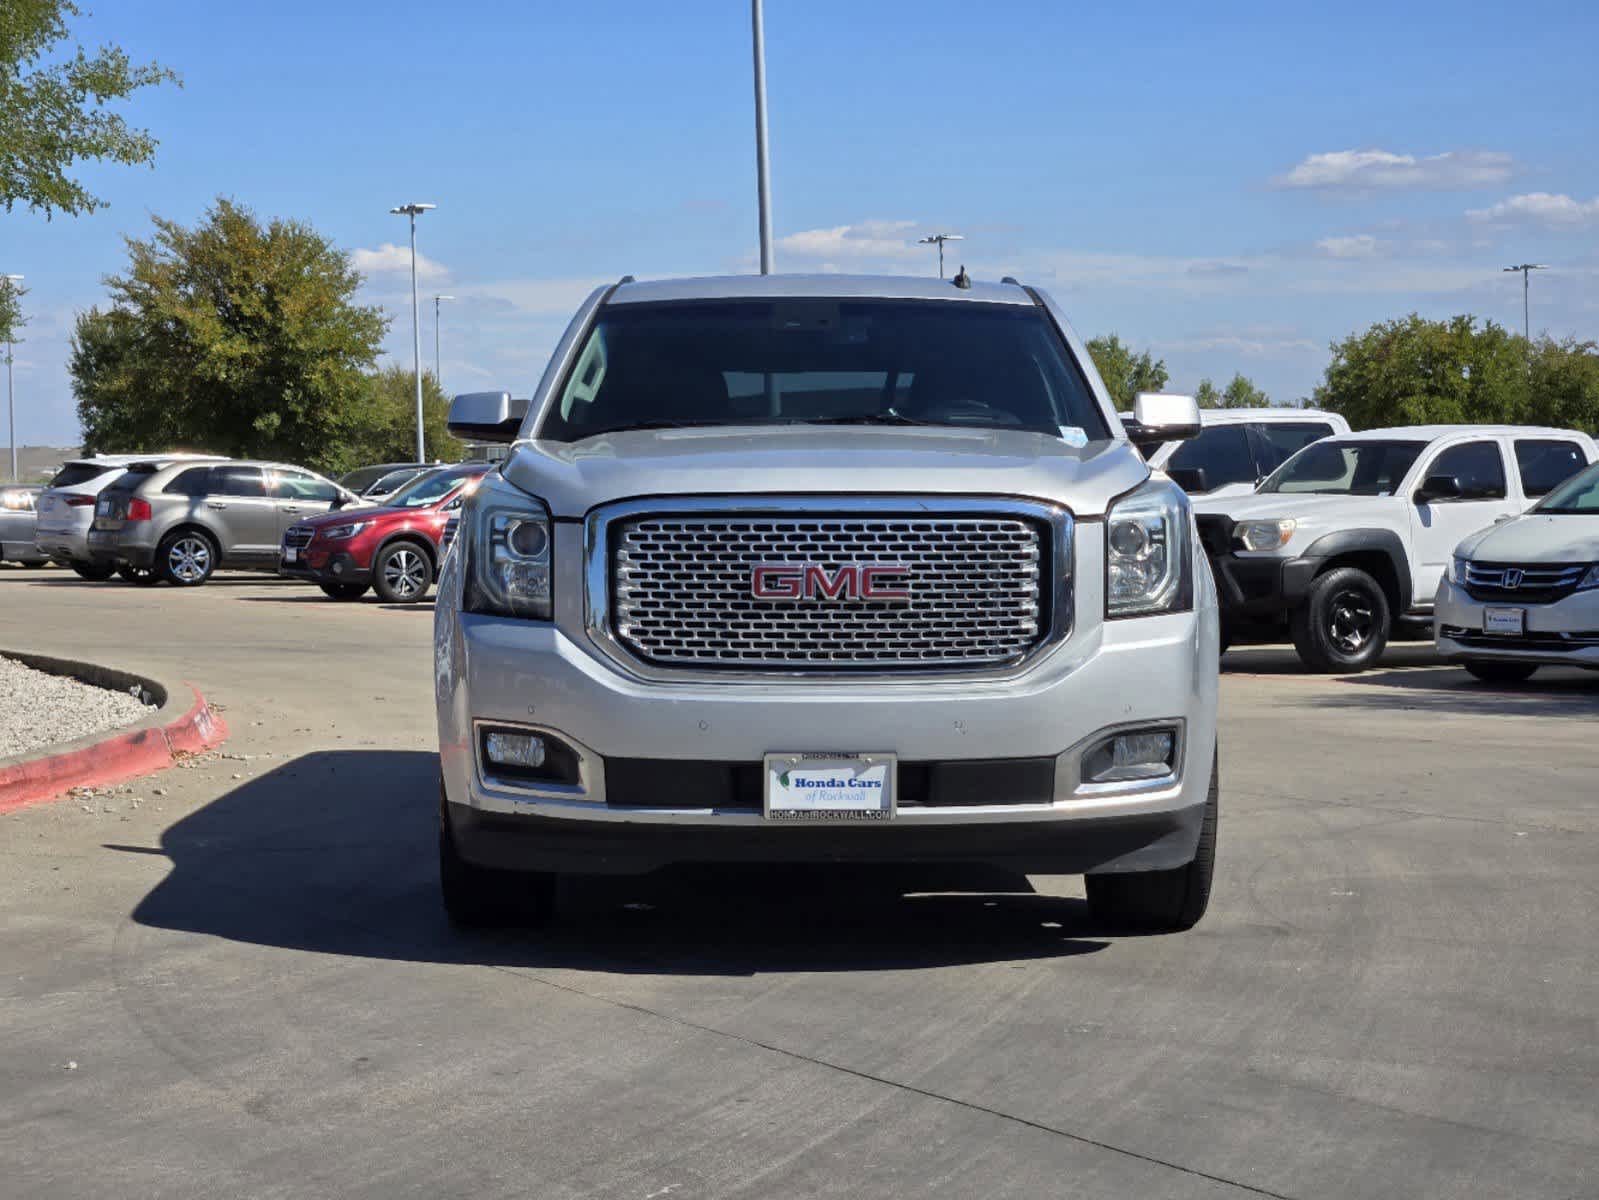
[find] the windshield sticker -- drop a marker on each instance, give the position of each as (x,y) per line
(1074,435)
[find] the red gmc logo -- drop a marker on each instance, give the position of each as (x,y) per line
(812,581)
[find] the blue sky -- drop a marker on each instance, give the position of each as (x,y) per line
(1232,185)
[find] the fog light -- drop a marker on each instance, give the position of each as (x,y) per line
(525,750)
(1136,754)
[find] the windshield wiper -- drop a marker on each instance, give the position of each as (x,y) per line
(877,418)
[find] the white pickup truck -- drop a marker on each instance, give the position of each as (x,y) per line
(1353,534)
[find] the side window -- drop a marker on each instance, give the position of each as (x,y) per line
(196,481)
(1222,452)
(1278,441)
(237,481)
(1479,466)
(1544,464)
(299,485)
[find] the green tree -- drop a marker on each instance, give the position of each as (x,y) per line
(1208,395)
(1563,384)
(1413,371)
(234,336)
(12,318)
(391,437)
(1125,373)
(53,113)
(1240,393)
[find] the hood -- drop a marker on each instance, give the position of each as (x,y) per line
(573,477)
(357,512)
(1536,538)
(1305,508)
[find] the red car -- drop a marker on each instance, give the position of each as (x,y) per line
(393,549)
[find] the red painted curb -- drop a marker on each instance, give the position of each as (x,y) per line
(120,757)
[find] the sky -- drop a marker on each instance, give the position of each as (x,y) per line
(1233,186)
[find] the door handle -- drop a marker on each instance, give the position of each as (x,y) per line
(291,508)
(215,504)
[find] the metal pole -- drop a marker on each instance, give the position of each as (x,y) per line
(941,258)
(438,377)
(416,346)
(11,410)
(1526,307)
(762,167)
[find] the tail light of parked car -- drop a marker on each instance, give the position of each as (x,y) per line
(138,510)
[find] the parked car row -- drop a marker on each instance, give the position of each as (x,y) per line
(179,518)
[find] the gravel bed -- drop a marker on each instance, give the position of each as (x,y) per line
(38,709)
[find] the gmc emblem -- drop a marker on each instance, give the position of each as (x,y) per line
(812,581)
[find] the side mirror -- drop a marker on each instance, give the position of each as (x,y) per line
(1191,479)
(1162,417)
(1438,487)
(486,416)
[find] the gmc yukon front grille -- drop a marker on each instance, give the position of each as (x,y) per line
(829,590)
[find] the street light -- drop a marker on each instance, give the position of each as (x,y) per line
(11,282)
(939,239)
(1526,312)
(438,363)
(763,179)
(412,211)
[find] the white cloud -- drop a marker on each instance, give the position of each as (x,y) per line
(1557,211)
(864,240)
(1264,343)
(1359,245)
(1361,170)
(389,259)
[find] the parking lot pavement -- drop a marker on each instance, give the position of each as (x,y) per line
(243,985)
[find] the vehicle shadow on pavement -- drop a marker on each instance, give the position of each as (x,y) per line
(335,853)
(1281,660)
(1552,692)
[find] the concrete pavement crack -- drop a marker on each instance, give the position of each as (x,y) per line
(897,1085)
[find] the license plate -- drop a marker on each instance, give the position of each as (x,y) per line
(830,787)
(1511,621)
(290,554)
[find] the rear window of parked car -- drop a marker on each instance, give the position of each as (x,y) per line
(73,474)
(196,481)
(1546,463)
(1222,452)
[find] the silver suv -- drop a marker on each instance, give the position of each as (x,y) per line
(182,521)
(824,569)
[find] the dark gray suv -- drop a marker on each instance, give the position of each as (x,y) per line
(182,521)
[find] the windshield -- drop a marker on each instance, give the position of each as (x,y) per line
(1579,494)
(986,366)
(432,487)
(392,482)
(1336,468)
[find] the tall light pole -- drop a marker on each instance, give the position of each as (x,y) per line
(438,362)
(1526,270)
(763,179)
(939,239)
(412,210)
(11,282)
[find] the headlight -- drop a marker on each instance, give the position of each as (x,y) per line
(17,501)
(508,561)
(1457,570)
(1590,579)
(1148,556)
(1264,535)
(340,533)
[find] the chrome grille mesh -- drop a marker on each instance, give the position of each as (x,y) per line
(1532,583)
(681,591)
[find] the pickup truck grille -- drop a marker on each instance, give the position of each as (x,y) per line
(967,590)
(1533,583)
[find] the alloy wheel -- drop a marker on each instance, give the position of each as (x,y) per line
(405,573)
(1350,621)
(189,559)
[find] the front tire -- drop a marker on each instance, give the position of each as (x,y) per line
(1161,901)
(402,573)
(186,558)
(94,572)
(482,898)
(343,591)
(1495,670)
(1344,623)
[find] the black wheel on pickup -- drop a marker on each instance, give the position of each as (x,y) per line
(1497,670)
(1161,901)
(1344,623)
(482,898)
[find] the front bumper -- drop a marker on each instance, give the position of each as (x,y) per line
(322,566)
(1564,633)
(1108,675)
